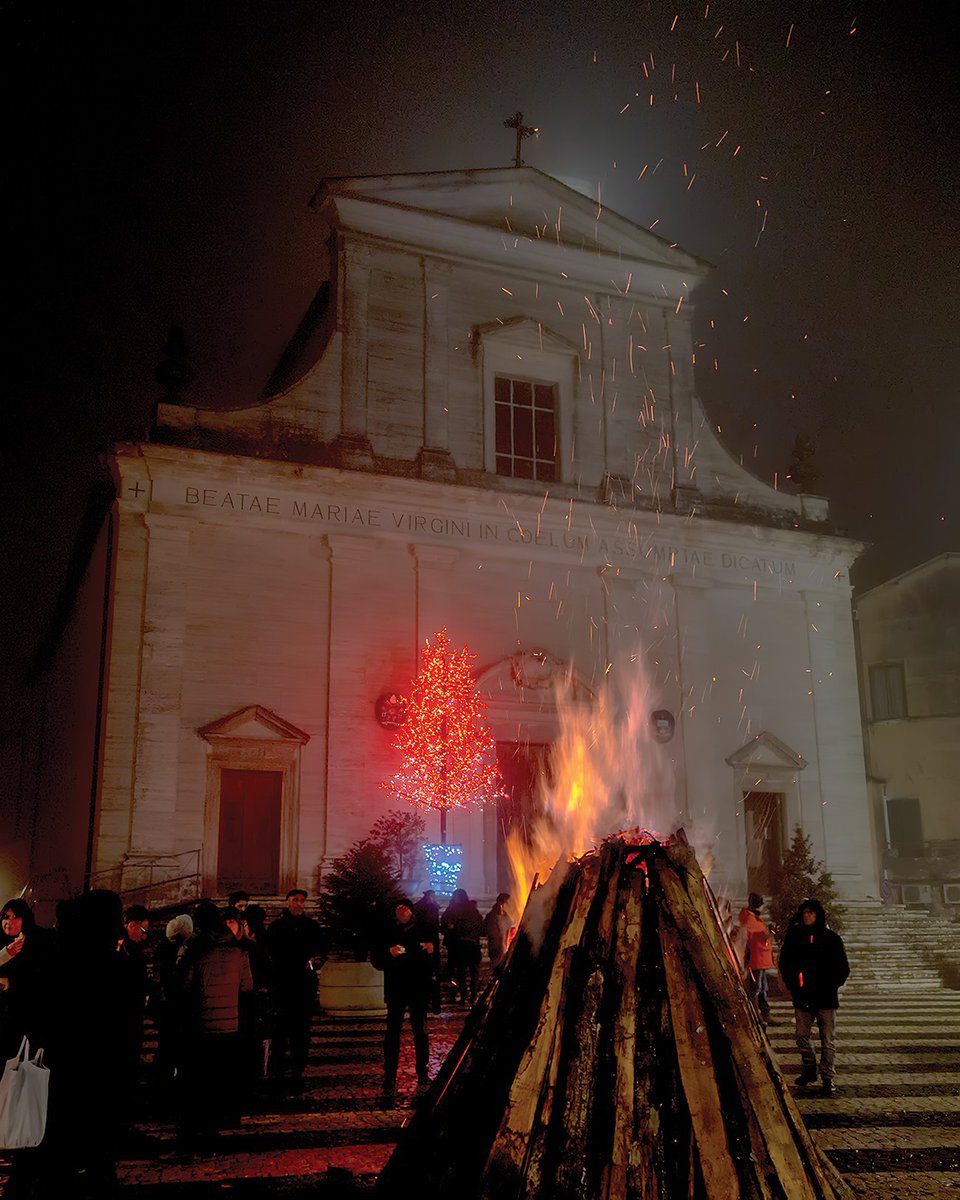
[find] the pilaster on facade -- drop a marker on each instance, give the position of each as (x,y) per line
(679,349)
(153,820)
(435,460)
(352,446)
(123,688)
(845,830)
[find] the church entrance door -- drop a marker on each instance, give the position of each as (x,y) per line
(522,765)
(764,828)
(250,805)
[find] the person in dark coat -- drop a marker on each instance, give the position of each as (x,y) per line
(813,966)
(298,948)
(214,972)
(136,926)
(27,958)
(497,924)
(169,1003)
(462,927)
(406,959)
(257,1008)
(29,982)
(427,912)
(92,1046)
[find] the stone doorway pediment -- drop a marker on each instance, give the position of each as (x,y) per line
(254,723)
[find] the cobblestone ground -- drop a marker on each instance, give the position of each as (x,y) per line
(893,1130)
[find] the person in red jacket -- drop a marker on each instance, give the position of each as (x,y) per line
(758,953)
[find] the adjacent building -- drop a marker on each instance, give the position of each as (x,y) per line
(909,647)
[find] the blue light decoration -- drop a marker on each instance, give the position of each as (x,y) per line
(444,864)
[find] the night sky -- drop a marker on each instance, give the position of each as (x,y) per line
(161,156)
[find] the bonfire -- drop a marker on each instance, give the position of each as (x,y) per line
(614,1056)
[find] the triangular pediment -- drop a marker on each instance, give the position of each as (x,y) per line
(518,201)
(254,723)
(766,750)
(526,333)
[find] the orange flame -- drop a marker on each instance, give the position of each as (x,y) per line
(608,775)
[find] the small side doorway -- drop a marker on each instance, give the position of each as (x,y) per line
(904,826)
(764,829)
(249,844)
(522,765)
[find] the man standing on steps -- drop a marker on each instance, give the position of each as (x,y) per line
(296,944)
(813,965)
(406,959)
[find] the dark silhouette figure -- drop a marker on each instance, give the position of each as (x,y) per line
(213,971)
(298,949)
(462,928)
(405,957)
(497,924)
(427,912)
(813,965)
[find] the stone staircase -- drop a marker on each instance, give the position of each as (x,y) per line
(892,948)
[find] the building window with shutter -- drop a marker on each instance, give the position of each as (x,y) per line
(888,695)
(525,415)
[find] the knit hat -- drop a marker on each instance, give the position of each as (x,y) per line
(180,927)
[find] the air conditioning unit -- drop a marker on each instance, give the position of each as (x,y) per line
(951,893)
(917,893)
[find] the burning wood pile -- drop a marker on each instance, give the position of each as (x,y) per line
(615,1056)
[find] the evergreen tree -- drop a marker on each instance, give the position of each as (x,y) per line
(400,834)
(802,877)
(357,897)
(803,473)
(448,752)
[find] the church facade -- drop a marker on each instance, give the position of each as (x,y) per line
(487,422)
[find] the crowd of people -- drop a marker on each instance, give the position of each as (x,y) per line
(230,994)
(232,998)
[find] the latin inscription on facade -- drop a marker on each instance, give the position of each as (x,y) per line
(628,547)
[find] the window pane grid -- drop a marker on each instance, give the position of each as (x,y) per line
(525,428)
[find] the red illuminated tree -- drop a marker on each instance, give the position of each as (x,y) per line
(448,754)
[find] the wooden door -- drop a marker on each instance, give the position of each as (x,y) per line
(249,857)
(764,828)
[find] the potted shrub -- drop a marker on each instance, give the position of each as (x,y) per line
(356,898)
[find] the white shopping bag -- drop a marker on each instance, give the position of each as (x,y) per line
(23,1100)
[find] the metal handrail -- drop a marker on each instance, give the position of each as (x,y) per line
(160,883)
(164,862)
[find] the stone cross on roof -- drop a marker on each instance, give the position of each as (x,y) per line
(523,131)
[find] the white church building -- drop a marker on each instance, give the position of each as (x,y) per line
(487,421)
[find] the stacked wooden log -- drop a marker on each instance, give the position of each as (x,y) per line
(614,1056)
